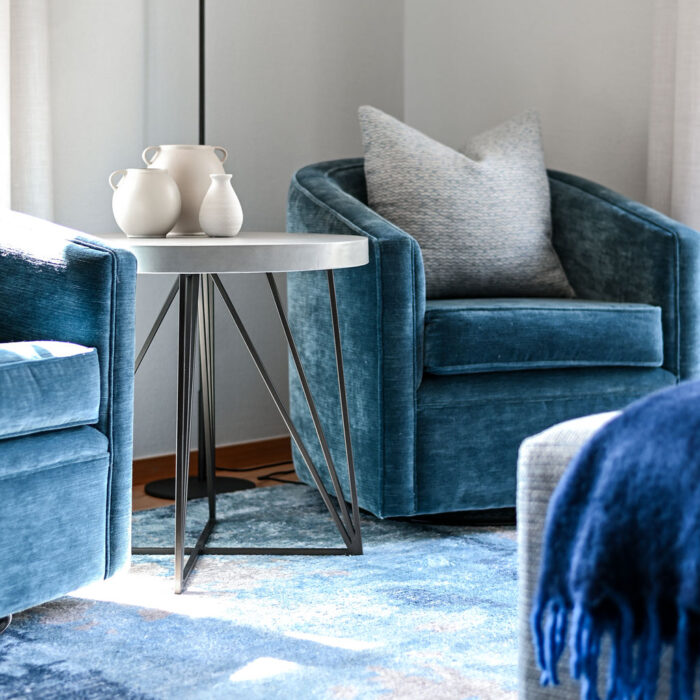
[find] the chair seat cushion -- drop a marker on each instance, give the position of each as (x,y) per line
(464,336)
(46,385)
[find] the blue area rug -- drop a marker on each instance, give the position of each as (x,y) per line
(429,611)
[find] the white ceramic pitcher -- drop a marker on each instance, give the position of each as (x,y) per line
(146,202)
(190,166)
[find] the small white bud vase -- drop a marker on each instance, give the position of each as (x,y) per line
(145,202)
(221,213)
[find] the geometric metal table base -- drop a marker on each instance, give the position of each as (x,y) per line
(196,310)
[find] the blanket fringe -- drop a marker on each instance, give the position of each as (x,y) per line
(683,661)
(634,658)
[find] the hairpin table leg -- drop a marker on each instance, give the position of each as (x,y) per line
(189,289)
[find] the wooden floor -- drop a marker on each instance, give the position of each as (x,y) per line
(262,458)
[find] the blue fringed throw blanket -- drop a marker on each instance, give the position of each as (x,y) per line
(622,552)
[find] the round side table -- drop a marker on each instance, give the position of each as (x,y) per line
(198,261)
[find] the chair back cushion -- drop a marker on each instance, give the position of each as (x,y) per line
(467,336)
(47,385)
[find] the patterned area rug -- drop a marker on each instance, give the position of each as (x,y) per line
(429,611)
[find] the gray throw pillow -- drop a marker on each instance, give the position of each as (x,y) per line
(481,218)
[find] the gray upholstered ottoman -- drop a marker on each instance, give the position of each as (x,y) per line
(542,461)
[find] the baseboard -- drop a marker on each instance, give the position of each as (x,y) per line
(243,454)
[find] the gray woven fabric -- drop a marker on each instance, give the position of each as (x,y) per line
(542,461)
(482,218)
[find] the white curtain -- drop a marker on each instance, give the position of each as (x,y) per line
(673,183)
(25,107)
(4,104)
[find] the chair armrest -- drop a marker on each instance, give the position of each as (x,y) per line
(58,284)
(381,308)
(615,249)
(542,461)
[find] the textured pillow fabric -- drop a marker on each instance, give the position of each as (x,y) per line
(481,218)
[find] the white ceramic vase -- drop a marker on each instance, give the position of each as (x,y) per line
(221,213)
(190,167)
(146,202)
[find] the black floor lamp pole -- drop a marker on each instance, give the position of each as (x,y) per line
(197,485)
(202,73)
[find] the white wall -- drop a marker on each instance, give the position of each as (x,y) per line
(97,111)
(585,66)
(283,83)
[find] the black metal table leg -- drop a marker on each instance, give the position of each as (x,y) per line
(206,373)
(357,542)
(198,486)
(189,289)
(296,437)
(350,526)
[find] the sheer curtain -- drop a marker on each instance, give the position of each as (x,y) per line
(673,183)
(25,107)
(4,104)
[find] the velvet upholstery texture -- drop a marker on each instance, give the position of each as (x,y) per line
(53,519)
(464,336)
(614,249)
(427,443)
(66,493)
(470,426)
(46,386)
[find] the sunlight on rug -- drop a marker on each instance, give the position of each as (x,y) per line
(429,611)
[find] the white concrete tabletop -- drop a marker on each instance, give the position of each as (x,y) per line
(246,252)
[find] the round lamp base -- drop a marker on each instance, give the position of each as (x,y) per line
(165,488)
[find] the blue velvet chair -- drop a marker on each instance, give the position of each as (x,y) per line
(443,391)
(66,404)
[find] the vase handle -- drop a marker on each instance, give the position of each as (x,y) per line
(144,155)
(223,150)
(113,184)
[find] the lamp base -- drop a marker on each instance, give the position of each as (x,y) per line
(196,488)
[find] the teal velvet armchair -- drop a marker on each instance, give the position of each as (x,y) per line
(66,404)
(442,391)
